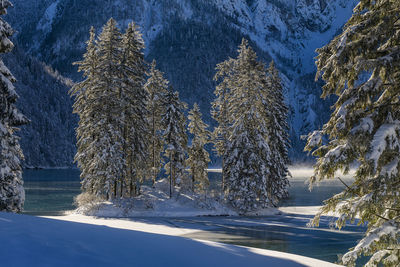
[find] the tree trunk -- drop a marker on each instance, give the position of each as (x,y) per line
(115,188)
(170,174)
(154,149)
(193,179)
(131,188)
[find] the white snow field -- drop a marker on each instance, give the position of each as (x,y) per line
(35,241)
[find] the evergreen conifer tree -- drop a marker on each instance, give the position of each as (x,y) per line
(157,89)
(12,194)
(198,157)
(219,112)
(362,67)
(133,101)
(248,109)
(100,139)
(278,139)
(174,122)
(81,92)
(109,164)
(248,161)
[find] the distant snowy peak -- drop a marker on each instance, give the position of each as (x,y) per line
(281,27)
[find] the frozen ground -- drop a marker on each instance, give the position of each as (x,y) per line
(34,241)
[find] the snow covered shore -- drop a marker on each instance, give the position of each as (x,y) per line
(34,241)
(155,202)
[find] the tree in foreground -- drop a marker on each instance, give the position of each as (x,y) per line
(174,122)
(12,194)
(362,67)
(244,109)
(198,157)
(157,89)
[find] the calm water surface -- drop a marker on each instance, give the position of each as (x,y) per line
(50,192)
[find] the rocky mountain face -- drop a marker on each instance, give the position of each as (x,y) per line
(189,37)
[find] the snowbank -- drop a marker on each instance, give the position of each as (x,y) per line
(155,202)
(34,241)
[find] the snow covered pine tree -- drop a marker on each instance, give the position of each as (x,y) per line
(85,138)
(278,140)
(219,112)
(362,67)
(244,106)
(198,157)
(157,89)
(105,163)
(12,193)
(174,122)
(133,101)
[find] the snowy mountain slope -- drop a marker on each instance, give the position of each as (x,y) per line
(188,38)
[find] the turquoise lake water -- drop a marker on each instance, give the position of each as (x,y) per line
(50,192)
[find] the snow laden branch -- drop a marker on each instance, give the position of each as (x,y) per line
(361,66)
(12,194)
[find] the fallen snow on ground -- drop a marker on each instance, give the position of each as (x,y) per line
(34,241)
(155,202)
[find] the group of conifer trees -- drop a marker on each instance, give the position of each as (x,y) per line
(128,125)
(132,125)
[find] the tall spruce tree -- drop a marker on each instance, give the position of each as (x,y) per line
(245,107)
(133,101)
(362,67)
(198,157)
(109,163)
(12,194)
(219,112)
(157,89)
(248,160)
(278,139)
(81,91)
(174,122)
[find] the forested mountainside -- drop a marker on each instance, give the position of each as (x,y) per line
(49,139)
(187,38)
